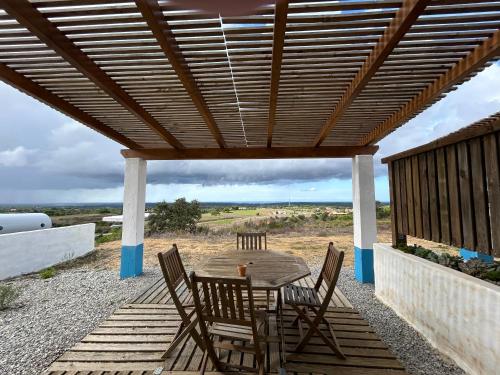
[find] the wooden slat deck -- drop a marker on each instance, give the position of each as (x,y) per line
(133,339)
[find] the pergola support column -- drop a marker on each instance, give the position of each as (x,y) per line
(364,217)
(134,205)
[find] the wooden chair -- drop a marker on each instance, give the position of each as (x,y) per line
(228,313)
(303,299)
(174,273)
(251,241)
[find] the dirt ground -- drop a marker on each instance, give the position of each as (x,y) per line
(194,248)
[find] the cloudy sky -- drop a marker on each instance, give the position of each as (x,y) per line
(46,157)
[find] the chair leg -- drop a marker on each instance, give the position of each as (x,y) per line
(182,332)
(314,328)
(204,363)
(296,320)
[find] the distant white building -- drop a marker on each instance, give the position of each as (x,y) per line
(119,218)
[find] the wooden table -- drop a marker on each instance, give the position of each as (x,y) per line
(270,270)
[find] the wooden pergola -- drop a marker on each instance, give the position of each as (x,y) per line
(295,79)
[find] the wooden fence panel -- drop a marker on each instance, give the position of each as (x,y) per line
(492,162)
(465,184)
(424,192)
(481,211)
(433,198)
(417,198)
(449,191)
(409,197)
(454,197)
(444,211)
(398,197)
(404,202)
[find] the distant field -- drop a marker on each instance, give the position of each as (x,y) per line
(302,230)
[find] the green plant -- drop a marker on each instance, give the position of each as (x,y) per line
(178,216)
(114,235)
(492,276)
(47,273)
(451,261)
(421,252)
(8,295)
(433,257)
(407,249)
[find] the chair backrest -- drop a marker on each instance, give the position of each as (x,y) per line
(225,300)
(251,241)
(174,273)
(330,271)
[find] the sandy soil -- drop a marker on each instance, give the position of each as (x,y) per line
(194,248)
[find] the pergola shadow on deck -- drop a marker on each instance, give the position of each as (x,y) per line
(133,339)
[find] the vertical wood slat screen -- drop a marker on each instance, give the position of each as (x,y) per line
(449,194)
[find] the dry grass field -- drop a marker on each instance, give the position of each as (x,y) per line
(194,248)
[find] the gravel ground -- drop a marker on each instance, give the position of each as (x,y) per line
(52,315)
(416,354)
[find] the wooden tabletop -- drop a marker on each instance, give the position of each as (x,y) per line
(269,269)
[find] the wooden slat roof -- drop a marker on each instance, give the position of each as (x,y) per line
(295,74)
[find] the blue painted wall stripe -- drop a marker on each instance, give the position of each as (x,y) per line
(469,254)
(131,261)
(363,265)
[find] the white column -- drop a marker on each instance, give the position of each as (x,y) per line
(364,216)
(134,205)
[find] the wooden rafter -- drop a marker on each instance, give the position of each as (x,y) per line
(400,24)
(36,91)
(250,153)
(280,16)
(29,17)
(156,21)
(474,60)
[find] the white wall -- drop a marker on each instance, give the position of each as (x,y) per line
(458,314)
(32,251)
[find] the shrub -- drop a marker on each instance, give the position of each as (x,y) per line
(8,295)
(474,267)
(202,229)
(450,261)
(422,253)
(492,276)
(178,216)
(114,235)
(48,273)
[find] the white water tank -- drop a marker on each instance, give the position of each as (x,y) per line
(12,223)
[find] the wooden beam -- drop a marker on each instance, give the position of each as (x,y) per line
(280,16)
(399,25)
(29,17)
(12,78)
(483,53)
(153,15)
(250,153)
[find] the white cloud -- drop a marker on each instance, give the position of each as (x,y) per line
(47,157)
(472,101)
(16,157)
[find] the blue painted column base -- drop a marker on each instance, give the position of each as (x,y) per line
(363,265)
(131,261)
(469,254)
